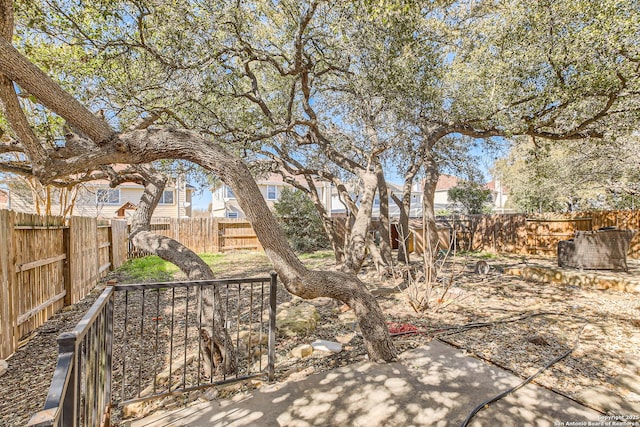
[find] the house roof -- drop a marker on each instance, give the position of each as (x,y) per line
(494,185)
(127,206)
(446,182)
(395,188)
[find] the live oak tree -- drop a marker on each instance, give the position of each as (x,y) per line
(471,197)
(558,71)
(96,143)
(300,221)
(306,85)
(577,175)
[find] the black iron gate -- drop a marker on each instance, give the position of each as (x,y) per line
(144,341)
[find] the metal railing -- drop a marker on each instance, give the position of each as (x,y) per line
(80,392)
(146,341)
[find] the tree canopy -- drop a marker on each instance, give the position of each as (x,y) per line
(326,90)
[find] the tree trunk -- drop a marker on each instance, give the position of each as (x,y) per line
(327,222)
(430,241)
(356,244)
(219,350)
(384,227)
(403,226)
(296,277)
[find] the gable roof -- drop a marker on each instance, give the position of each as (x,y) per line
(446,182)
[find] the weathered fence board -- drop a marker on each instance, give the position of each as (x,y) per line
(536,234)
(119,243)
(45,264)
(205,235)
(236,235)
(8,339)
(38,285)
(83,258)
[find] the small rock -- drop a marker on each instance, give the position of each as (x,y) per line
(134,410)
(256,383)
(298,375)
(210,394)
(302,351)
(4,366)
(328,346)
(256,338)
(262,364)
(345,338)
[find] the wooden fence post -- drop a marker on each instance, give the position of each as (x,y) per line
(68,280)
(8,313)
(111,248)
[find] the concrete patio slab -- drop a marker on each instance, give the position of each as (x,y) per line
(434,385)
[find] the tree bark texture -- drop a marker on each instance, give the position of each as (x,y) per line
(356,243)
(385,224)
(432,173)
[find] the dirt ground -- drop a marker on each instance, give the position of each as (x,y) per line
(518,325)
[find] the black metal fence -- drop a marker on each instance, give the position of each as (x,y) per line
(80,392)
(145,341)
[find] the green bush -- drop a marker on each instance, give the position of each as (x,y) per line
(301,222)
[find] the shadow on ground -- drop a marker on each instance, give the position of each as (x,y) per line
(432,385)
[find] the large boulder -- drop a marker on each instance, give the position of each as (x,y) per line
(296,319)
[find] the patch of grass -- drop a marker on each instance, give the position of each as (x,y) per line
(211,259)
(149,269)
(317,255)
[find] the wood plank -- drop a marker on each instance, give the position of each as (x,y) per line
(104,268)
(39,263)
(26,316)
(39,227)
(8,341)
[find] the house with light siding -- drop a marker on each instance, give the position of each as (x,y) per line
(4,199)
(225,205)
(97,199)
(500,196)
(441,198)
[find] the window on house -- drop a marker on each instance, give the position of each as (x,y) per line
(376,201)
(230,194)
(167,197)
(108,196)
(272,192)
(232,214)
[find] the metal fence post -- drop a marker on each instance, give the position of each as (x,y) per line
(272,326)
(109,356)
(67,344)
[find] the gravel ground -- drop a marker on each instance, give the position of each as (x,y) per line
(524,326)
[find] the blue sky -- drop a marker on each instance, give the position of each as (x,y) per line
(201,199)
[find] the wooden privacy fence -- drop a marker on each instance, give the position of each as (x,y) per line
(46,263)
(206,235)
(535,234)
